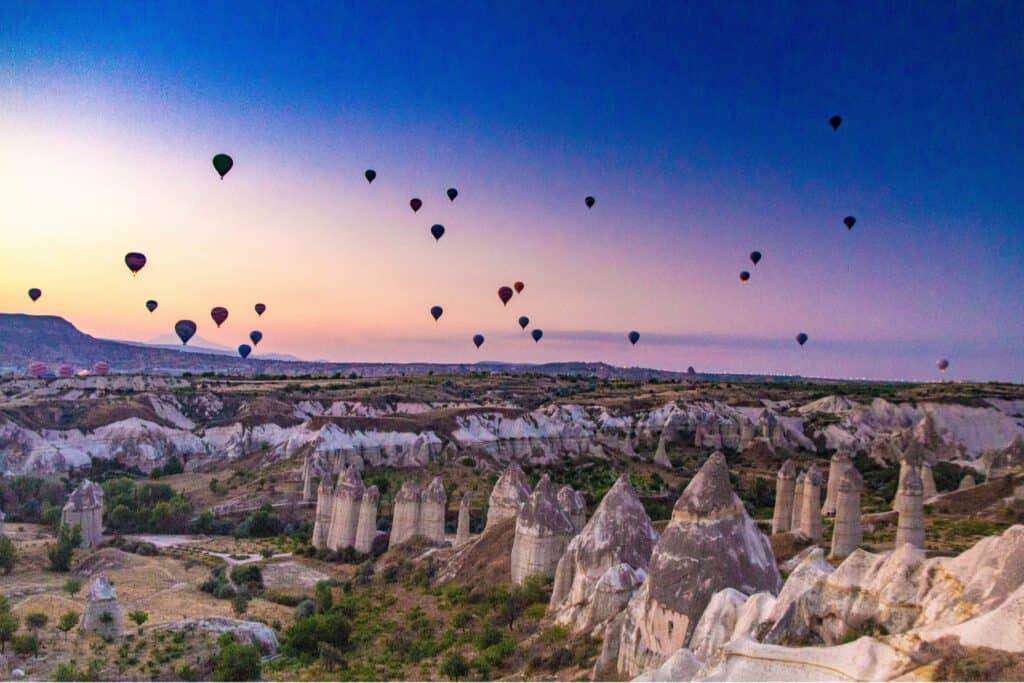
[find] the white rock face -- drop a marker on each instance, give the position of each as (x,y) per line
(785,486)
(433,505)
(605,563)
(574,505)
(347,499)
(102,611)
(810,510)
(841,463)
(910,496)
(366,530)
(508,496)
(798,502)
(405,519)
(848,534)
(542,532)
(85,509)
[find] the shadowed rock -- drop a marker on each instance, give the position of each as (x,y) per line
(345,514)
(810,510)
(574,505)
(508,496)
(462,531)
(848,534)
(785,485)
(405,518)
(433,504)
(542,532)
(798,502)
(366,530)
(838,466)
(324,509)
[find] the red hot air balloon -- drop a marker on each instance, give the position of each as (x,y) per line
(36,369)
(255,337)
(478,340)
(437,231)
(65,371)
(519,287)
(416,203)
(185,329)
(151,305)
(260,308)
(436,312)
(135,261)
(505,294)
(537,334)
(219,315)
(35,293)
(102,369)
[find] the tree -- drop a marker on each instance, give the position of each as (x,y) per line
(455,666)
(68,621)
(323,596)
(8,555)
(236,662)
(8,623)
(72,586)
(36,620)
(139,617)
(68,538)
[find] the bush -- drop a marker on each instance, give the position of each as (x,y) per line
(8,555)
(236,662)
(304,609)
(25,646)
(248,576)
(36,620)
(302,639)
(60,553)
(455,666)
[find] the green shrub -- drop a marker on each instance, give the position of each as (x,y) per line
(302,639)
(236,662)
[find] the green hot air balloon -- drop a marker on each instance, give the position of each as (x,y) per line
(222,163)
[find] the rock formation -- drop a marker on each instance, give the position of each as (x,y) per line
(307,479)
(605,563)
(405,518)
(366,530)
(785,484)
(927,481)
(433,504)
(324,509)
(574,505)
(1008,460)
(508,496)
(848,534)
(839,465)
(346,501)
(910,528)
(710,544)
(798,502)
(912,459)
(542,532)
(102,611)
(810,510)
(85,509)
(462,531)
(967,482)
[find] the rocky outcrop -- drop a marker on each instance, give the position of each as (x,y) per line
(574,505)
(839,465)
(710,544)
(785,485)
(798,502)
(405,518)
(910,527)
(433,504)
(85,510)
(462,534)
(848,534)
(605,563)
(542,532)
(810,508)
(1008,460)
(508,496)
(967,482)
(102,611)
(366,529)
(248,632)
(346,501)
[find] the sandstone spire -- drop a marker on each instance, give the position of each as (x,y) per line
(101,602)
(405,517)
(848,534)
(85,509)
(345,513)
(324,509)
(839,465)
(508,495)
(810,510)
(433,505)
(910,528)
(798,502)
(574,505)
(307,479)
(785,484)
(927,481)
(366,530)
(542,532)
(912,459)
(462,531)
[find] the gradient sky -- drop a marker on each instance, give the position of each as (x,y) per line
(701,129)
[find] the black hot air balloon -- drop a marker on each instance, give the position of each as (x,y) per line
(260,308)
(589,201)
(849,222)
(478,340)
(436,311)
(755,257)
(222,163)
(35,293)
(185,329)
(801,338)
(437,231)
(744,276)
(943,365)
(151,305)
(452,193)
(370,175)
(835,122)
(415,203)
(255,337)
(537,334)
(634,337)
(219,315)
(244,350)
(523,321)
(135,261)
(519,287)
(505,294)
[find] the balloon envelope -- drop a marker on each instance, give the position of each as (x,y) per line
(519,287)
(151,305)
(185,329)
(634,337)
(452,193)
(589,201)
(244,350)
(415,203)
(370,175)
(436,311)
(437,231)
(801,339)
(755,257)
(478,339)
(744,276)
(255,337)
(260,308)
(219,315)
(222,163)
(135,261)
(101,368)
(943,364)
(849,222)
(505,294)
(537,334)
(835,122)
(523,321)
(35,293)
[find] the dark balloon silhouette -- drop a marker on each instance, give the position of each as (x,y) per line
(415,203)
(244,350)
(185,329)
(634,337)
(437,231)
(755,257)
(255,337)
(691,371)
(219,315)
(260,308)
(370,175)
(135,261)
(744,276)
(35,293)
(943,365)
(452,193)
(519,287)
(151,305)
(801,339)
(505,294)
(835,122)
(523,321)
(589,201)
(222,163)
(436,311)
(478,340)
(849,222)
(537,334)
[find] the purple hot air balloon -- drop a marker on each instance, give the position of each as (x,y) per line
(185,329)
(135,261)
(255,337)
(943,365)
(416,203)
(260,308)
(505,294)
(219,315)
(35,293)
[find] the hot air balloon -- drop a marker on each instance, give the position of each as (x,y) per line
(755,257)
(260,308)
(36,369)
(255,337)
(634,337)
(83,373)
(523,321)
(478,340)
(452,193)
(943,364)
(65,371)
(436,311)
(691,371)
(135,261)
(505,294)
(151,305)
(244,350)
(537,334)
(219,315)
(35,293)
(589,201)
(849,222)
(519,287)
(222,163)
(835,122)
(185,329)
(415,203)
(744,276)
(101,369)
(437,231)
(801,338)
(370,175)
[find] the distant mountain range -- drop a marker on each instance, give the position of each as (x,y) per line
(53,340)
